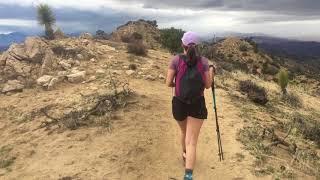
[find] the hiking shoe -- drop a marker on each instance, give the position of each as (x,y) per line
(188,177)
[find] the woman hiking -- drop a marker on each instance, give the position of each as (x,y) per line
(190,74)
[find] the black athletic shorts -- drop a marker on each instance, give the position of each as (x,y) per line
(181,110)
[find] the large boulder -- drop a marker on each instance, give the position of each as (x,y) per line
(27,61)
(48,82)
(44,80)
(12,86)
(77,77)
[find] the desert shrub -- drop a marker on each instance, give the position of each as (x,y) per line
(136,36)
(243,48)
(307,127)
(137,48)
(131,38)
(269,69)
(126,38)
(226,66)
(283,80)
(233,65)
(255,93)
(207,50)
(253,44)
(100,34)
(5,159)
(171,39)
(292,100)
(244,54)
(133,66)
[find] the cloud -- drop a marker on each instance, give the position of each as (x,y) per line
(274,17)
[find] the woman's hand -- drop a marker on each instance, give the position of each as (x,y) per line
(212,70)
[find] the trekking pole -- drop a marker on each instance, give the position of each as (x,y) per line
(217,123)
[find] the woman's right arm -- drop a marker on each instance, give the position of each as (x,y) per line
(170,77)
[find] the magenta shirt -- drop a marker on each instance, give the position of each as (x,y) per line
(175,62)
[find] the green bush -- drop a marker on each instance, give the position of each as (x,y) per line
(269,69)
(171,39)
(243,48)
(283,80)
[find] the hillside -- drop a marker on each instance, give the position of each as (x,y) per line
(81,108)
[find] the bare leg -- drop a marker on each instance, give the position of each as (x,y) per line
(192,134)
(183,128)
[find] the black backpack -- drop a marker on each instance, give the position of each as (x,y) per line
(189,80)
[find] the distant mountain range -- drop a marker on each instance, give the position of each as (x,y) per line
(7,39)
(17,37)
(300,50)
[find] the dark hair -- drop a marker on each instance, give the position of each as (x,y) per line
(192,54)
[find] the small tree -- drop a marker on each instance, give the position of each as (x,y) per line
(47,19)
(171,39)
(283,80)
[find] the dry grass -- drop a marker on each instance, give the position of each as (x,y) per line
(5,158)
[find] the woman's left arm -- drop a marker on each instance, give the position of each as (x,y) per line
(209,77)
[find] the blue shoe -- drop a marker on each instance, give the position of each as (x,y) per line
(188,177)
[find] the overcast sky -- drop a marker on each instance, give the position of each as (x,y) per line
(299,19)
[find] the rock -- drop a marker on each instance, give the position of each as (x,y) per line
(77,63)
(80,57)
(34,48)
(52,83)
(140,73)
(117,72)
(44,80)
(91,78)
(100,71)
(77,77)
(150,77)
(130,72)
(47,62)
(85,42)
(65,65)
(62,73)
(92,60)
(86,36)
(161,76)
(107,48)
(12,86)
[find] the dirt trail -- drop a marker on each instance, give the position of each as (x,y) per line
(167,162)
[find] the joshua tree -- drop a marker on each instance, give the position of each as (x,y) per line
(283,80)
(47,19)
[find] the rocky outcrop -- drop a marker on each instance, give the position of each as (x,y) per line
(148,29)
(12,86)
(26,61)
(77,77)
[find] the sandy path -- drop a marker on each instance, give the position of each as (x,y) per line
(166,153)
